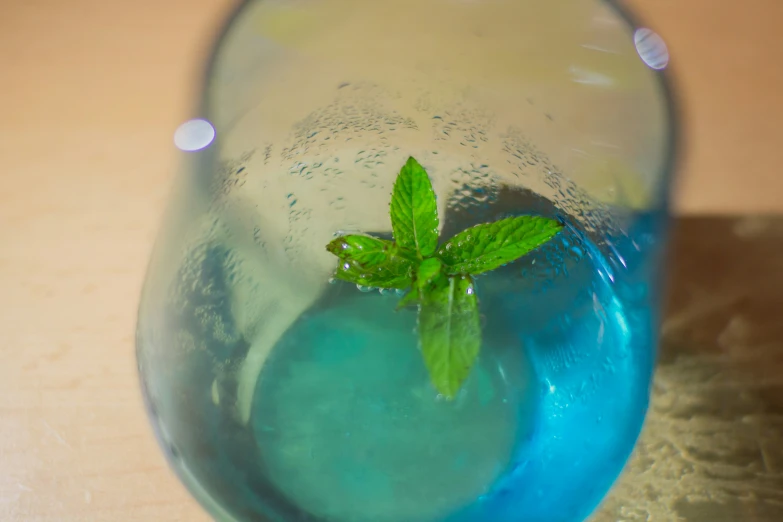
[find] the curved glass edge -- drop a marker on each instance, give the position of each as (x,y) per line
(202,496)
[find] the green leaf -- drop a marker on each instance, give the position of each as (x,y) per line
(370,261)
(486,247)
(428,271)
(449,331)
(425,275)
(409,299)
(396,274)
(414,212)
(367,250)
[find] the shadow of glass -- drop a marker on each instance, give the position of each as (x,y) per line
(712,446)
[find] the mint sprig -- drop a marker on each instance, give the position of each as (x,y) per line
(439,279)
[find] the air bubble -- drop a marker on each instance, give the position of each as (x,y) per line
(364,289)
(332,281)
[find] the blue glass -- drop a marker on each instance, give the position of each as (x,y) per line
(280,394)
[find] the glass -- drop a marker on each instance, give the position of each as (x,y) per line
(281,395)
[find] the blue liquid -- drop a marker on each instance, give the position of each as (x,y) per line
(346,427)
(352,430)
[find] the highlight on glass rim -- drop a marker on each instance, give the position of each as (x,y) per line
(411,270)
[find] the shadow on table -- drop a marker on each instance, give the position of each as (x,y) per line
(712,447)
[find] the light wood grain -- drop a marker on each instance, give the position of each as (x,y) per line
(90,94)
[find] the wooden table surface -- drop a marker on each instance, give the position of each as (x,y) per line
(90,94)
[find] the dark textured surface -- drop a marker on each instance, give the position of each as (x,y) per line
(712,447)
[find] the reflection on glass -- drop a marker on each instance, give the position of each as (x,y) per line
(651,47)
(194,135)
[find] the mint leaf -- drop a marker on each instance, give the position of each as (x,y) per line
(370,261)
(449,331)
(395,274)
(409,299)
(486,247)
(367,250)
(428,271)
(413,210)
(424,276)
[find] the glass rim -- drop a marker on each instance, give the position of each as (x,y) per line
(664,78)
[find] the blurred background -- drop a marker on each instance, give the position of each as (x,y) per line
(91,93)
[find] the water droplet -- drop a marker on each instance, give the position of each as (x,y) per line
(449,246)
(363,288)
(399,292)
(346,266)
